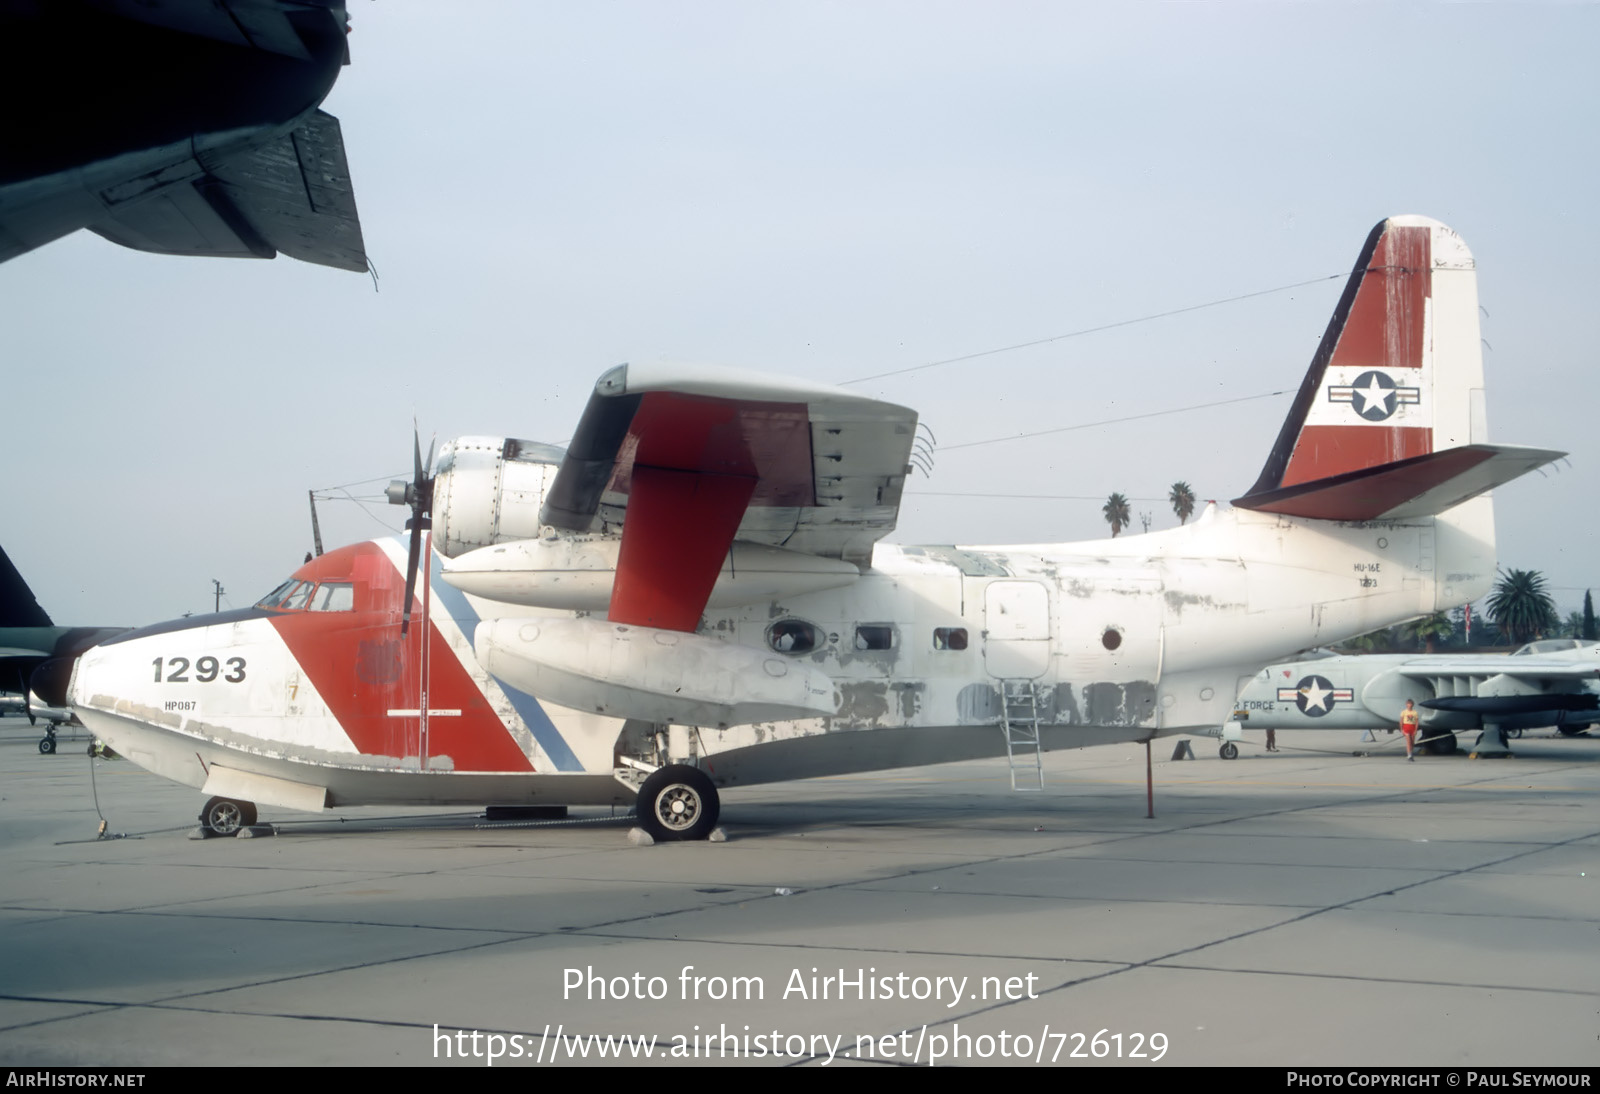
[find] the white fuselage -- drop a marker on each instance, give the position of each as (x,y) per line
(1123,639)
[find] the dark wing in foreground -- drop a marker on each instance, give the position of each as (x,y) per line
(291,195)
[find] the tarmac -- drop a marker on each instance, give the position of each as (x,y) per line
(1308,907)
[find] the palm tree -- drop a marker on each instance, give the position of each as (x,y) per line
(1520,607)
(1182,499)
(1430,629)
(1116,513)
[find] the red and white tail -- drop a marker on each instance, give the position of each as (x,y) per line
(1389,422)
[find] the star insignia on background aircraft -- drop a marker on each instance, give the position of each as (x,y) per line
(1315,695)
(1375,395)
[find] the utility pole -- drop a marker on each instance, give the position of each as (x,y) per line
(217,585)
(316,532)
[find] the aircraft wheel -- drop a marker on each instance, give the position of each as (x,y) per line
(1573,731)
(1442,745)
(678,803)
(224,816)
(47,745)
(1229,750)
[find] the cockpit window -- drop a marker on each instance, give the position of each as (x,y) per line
(275,597)
(334,597)
(296,601)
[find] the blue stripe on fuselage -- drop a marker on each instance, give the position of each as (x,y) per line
(533,716)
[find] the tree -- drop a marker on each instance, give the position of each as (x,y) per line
(1430,629)
(1590,632)
(1182,499)
(1378,641)
(1116,513)
(1520,607)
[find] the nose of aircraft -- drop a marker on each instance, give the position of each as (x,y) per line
(136,667)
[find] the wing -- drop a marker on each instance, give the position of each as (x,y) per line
(292,194)
(1520,668)
(684,461)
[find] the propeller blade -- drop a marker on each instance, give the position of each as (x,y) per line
(419,495)
(411,573)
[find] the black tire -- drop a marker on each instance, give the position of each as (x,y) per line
(1443,744)
(47,745)
(1229,750)
(225,816)
(1573,731)
(678,803)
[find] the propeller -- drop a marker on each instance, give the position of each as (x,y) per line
(418,494)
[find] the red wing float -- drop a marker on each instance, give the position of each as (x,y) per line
(693,595)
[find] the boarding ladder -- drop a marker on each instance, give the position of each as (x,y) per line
(1019,717)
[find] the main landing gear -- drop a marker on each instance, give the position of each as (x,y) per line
(678,802)
(225,816)
(1229,750)
(47,743)
(1440,743)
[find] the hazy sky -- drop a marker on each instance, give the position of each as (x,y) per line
(829,191)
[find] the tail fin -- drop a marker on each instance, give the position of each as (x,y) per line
(18,608)
(1390,421)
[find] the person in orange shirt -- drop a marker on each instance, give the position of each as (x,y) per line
(1409,719)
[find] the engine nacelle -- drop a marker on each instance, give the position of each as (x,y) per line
(490,490)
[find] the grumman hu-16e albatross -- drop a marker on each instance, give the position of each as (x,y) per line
(693,595)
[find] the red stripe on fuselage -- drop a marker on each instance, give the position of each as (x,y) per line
(363,669)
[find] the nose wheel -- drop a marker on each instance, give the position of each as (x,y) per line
(1229,750)
(678,803)
(47,743)
(225,816)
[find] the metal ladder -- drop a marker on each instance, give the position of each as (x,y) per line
(1019,718)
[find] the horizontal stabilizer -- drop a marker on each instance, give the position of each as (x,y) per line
(1421,486)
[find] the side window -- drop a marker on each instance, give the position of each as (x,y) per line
(874,636)
(334,597)
(792,636)
(950,638)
